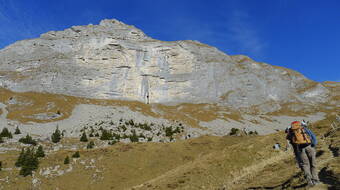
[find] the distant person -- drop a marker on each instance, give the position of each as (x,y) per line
(304,141)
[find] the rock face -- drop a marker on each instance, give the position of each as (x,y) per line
(113,60)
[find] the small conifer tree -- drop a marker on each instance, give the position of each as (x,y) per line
(56,136)
(134,137)
(106,135)
(20,159)
(83,137)
(90,145)
(17,131)
(76,155)
(28,140)
(40,152)
(67,160)
(30,162)
(6,133)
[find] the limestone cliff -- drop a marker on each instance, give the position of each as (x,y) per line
(113,60)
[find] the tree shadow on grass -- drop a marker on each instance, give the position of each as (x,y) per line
(329,178)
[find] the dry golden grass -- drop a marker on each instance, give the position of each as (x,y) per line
(202,163)
(32,103)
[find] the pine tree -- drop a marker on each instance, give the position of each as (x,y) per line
(67,160)
(90,145)
(17,131)
(28,140)
(30,162)
(40,152)
(76,155)
(83,137)
(20,159)
(6,133)
(106,135)
(56,136)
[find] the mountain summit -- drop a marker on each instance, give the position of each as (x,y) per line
(113,60)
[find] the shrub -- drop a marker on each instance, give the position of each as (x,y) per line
(0,165)
(28,140)
(20,159)
(56,136)
(17,131)
(1,140)
(76,155)
(106,135)
(113,142)
(168,131)
(6,133)
(133,137)
(28,162)
(67,160)
(233,131)
(40,152)
(149,139)
(83,137)
(90,145)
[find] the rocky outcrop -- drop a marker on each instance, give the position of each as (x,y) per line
(113,60)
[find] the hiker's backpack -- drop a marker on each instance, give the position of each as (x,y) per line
(299,134)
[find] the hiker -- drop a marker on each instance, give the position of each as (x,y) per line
(304,141)
(289,145)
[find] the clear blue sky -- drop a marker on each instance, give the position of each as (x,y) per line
(303,35)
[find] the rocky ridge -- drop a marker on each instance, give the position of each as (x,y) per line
(113,60)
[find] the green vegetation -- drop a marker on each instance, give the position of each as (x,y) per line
(40,152)
(6,133)
(0,165)
(112,142)
(76,155)
(28,161)
(133,137)
(17,131)
(90,145)
(234,131)
(67,160)
(83,137)
(1,140)
(28,140)
(56,136)
(106,135)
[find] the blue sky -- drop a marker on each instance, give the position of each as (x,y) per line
(303,35)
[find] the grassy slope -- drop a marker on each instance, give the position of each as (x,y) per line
(203,163)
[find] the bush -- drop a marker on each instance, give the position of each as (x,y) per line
(233,131)
(67,160)
(133,137)
(28,140)
(106,135)
(17,131)
(28,162)
(0,165)
(56,136)
(40,152)
(90,145)
(6,133)
(113,142)
(168,131)
(83,137)
(1,140)
(76,155)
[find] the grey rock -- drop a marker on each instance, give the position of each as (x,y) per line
(113,60)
